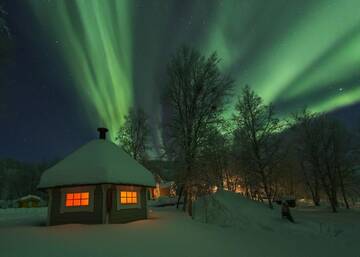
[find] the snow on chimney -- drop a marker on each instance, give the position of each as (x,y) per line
(102,133)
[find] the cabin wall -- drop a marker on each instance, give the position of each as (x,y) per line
(127,215)
(57,218)
(97,216)
(28,204)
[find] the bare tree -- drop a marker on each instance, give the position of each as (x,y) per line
(249,180)
(307,148)
(4,29)
(6,52)
(18,179)
(133,136)
(215,157)
(258,135)
(340,158)
(323,145)
(329,159)
(195,95)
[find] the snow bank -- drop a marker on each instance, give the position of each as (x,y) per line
(12,217)
(233,210)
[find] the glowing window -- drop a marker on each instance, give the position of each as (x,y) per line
(128,197)
(77,199)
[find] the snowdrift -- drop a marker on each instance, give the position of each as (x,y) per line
(230,209)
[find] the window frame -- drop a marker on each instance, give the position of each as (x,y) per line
(129,197)
(122,188)
(79,189)
(80,200)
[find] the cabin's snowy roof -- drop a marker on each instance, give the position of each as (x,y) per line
(97,162)
(28,197)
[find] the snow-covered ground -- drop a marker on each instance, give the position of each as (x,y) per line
(172,233)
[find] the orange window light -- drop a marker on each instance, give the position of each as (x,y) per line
(77,199)
(128,197)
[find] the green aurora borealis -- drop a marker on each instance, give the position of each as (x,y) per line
(99,46)
(293,53)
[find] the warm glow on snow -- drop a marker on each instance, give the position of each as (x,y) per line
(77,199)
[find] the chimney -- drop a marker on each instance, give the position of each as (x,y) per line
(102,133)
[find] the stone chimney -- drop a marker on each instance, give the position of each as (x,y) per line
(102,133)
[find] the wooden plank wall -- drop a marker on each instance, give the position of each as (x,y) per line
(116,216)
(94,217)
(127,215)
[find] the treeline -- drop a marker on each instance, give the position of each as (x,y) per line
(308,155)
(18,179)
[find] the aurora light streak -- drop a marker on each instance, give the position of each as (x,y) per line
(289,50)
(99,47)
(293,53)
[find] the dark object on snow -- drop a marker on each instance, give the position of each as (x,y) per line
(278,201)
(291,203)
(285,212)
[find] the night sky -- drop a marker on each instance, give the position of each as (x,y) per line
(72,66)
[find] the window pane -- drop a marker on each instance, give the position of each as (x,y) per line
(84,202)
(85,195)
(77,199)
(69,203)
(128,197)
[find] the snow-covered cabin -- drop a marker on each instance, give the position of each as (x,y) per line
(28,201)
(98,183)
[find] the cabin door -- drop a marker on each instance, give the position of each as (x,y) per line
(109,199)
(107,202)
